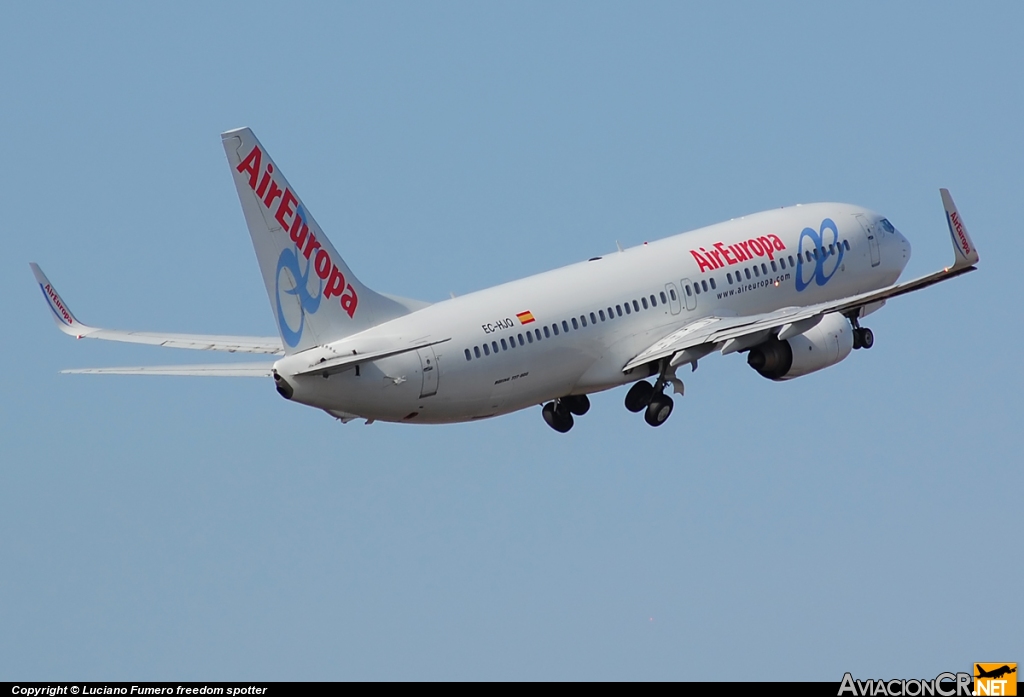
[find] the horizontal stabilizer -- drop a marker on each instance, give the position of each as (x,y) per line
(69,324)
(223,370)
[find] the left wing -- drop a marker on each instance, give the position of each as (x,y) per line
(69,324)
(730,334)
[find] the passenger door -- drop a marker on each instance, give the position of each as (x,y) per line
(688,296)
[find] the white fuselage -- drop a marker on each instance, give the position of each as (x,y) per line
(672,282)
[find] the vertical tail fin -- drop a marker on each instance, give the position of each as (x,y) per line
(314,295)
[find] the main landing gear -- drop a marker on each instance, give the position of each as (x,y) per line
(651,399)
(558,414)
(862,336)
(656,405)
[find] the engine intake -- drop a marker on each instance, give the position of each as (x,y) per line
(821,346)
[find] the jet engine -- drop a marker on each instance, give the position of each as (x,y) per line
(825,344)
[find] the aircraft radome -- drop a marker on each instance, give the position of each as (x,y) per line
(789,287)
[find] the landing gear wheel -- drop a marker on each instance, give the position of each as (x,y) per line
(658,410)
(557,418)
(867,339)
(578,404)
(863,338)
(639,396)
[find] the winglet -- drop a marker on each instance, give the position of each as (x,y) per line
(966,252)
(62,314)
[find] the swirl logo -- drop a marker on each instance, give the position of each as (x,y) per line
(817,243)
(308,304)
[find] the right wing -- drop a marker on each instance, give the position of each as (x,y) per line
(729,334)
(70,325)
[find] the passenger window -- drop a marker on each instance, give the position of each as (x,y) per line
(468,357)
(554,328)
(636,306)
(775,267)
(494,346)
(846,243)
(601,313)
(593,318)
(487,350)
(713,286)
(644,301)
(504,346)
(755,272)
(791,261)
(728,277)
(654,301)
(521,342)
(688,290)
(618,310)
(704,285)
(476,351)
(547,334)
(808,253)
(816,253)
(747,272)
(628,310)
(696,289)
(583,321)
(831,249)
(782,263)
(529,336)
(672,293)
(565,326)
(764,269)
(663,298)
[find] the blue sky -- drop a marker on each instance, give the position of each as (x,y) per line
(865,518)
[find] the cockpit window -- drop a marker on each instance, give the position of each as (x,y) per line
(887,226)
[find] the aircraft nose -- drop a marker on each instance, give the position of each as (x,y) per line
(905,245)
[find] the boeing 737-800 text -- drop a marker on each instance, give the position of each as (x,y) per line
(788,287)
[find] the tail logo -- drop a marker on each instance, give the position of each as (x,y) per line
(816,248)
(53,300)
(308,304)
(959,238)
(292,217)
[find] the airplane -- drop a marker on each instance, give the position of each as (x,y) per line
(788,287)
(996,673)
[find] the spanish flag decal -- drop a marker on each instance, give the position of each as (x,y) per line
(525,317)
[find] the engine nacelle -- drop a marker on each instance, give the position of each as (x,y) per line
(825,344)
